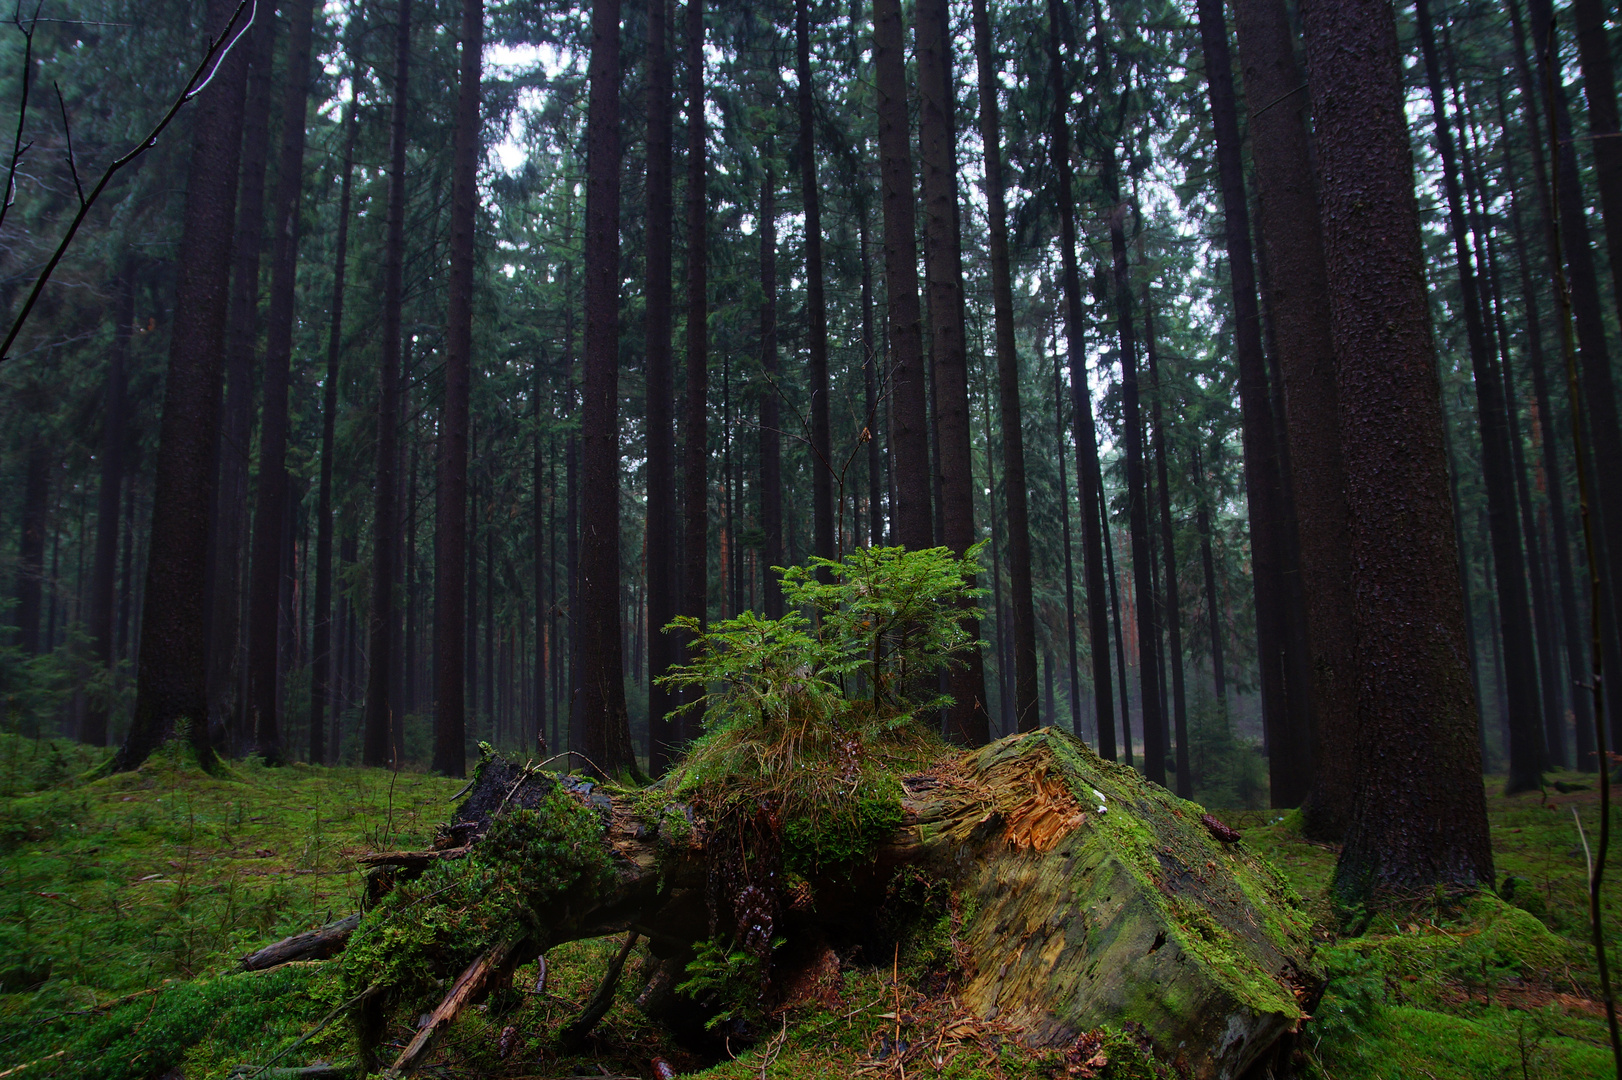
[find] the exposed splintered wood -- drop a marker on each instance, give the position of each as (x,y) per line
(317,944)
(1085,897)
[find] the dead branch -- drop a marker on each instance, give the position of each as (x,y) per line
(469,987)
(311,945)
(597,1007)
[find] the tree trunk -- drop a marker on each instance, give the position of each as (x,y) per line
(966,718)
(1598,384)
(870,384)
(1289,763)
(1219,676)
(1089,476)
(1016,500)
(822,463)
(1168,550)
(31,543)
(114,437)
(1069,568)
(771,469)
(321,653)
(604,727)
(662,572)
(227,550)
(909,406)
(696,448)
(377,724)
(1419,818)
(171,681)
(271,502)
(1527,755)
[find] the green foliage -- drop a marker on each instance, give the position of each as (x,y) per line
(1227,771)
(460,907)
(727,980)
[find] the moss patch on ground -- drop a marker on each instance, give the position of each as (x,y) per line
(154,883)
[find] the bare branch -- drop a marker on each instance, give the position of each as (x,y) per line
(218,49)
(67,131)
(17,147)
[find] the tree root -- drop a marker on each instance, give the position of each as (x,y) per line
(575,1034)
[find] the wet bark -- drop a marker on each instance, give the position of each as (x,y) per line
(662,572)
(604,727)
(909,409)
(1419,816)
(171,680)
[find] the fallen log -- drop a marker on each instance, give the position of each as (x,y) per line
(1078,895)
(319,944)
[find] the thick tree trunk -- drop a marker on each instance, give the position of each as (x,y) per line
(771,440)
(114,436)
(1089,476)
(696,426)
(1527,755)
(228,562)
(377,723)
(966,720)
(1289,762)
(1016,499)
(271,508)
(662,572)
(171,681)
(604,727)
(909,406)
(321,653)
(822,463)
(1420,763)
(1298,306)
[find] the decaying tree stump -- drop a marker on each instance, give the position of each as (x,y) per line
(1083,895)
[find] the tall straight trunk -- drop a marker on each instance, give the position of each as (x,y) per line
(227,550)
(1547,435)
(604,725)
(542,526)
(321,654)
(771,442)
(870,385)
(1088,474)
(1202,519)
(271,501)
(909,406)
(378,723)
(470,621)
(1605,142)
(658,376)
(1016,500)
(1289,747)
(451,511)
(114,436)
(171,682)
(966,720)
(822,463)
(1069,568)
(695,449)
(998,616)
(1527,754)
(1419,815)
(1598,384)
(1120,642)
(126,571)
(1298,305)
(1168,551)
(491,675)
(31,543)
(411,652)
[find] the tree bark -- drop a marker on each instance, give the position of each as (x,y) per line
(604,725)
(696,426)
(321,652)
(1088,474)
(822,463)
(271,502)
(1016,499)
(171,680)
(1289,763)
(966,719)
(1419,816)
(771,442)
(662,572)
(1202,518)
(1069,567)
(227,653)
(1527,755)
(114,437)
(377,723)
(909,407)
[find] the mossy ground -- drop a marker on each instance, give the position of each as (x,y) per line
(163,878)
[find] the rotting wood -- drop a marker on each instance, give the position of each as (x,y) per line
(318,944)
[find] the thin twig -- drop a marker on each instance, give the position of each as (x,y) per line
(218,49)
(67,131)
(17,147)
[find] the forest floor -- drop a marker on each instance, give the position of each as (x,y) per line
(126,902)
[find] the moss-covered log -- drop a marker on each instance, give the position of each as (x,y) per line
(1070,894)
